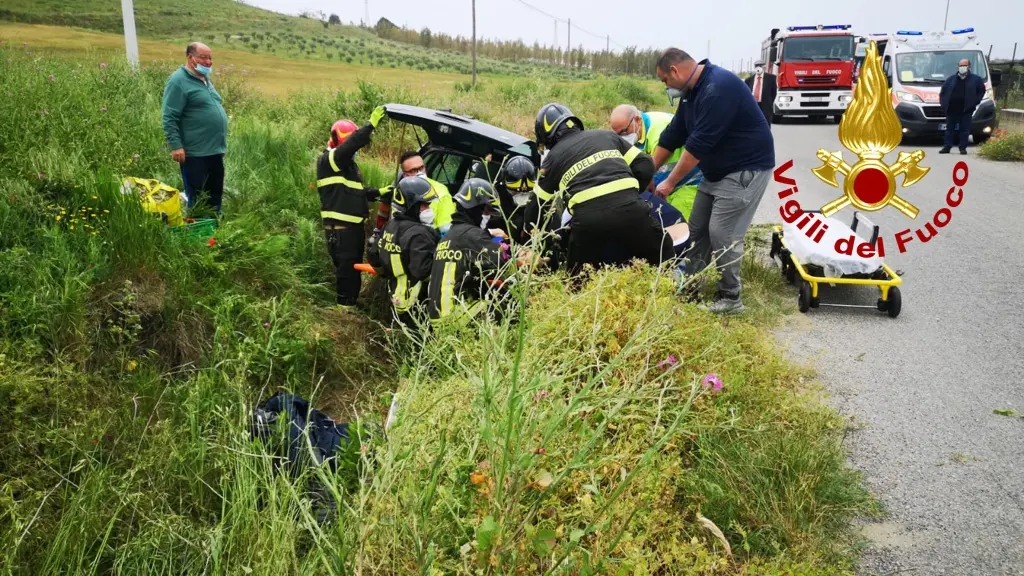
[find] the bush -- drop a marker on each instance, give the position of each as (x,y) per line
(1004,146)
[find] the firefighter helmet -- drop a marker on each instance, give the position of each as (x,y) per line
(411,192)
(475,193)
(519,174)
(340,131)
(549,119)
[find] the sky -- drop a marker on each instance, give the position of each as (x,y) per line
(734,28)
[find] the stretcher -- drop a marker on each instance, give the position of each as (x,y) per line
(808,248)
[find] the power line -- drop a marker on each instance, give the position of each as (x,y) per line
(568,22)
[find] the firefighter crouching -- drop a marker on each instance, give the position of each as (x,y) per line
(599,177)
(344,202)
(468,257)
(404,253)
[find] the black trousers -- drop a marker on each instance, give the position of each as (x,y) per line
(204,180)
(615,229)
(346,243)
(957,123)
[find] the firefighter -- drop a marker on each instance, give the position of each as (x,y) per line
(405,252)
(468,255)
(599,177)
(643,129)
(344,202)
(514,187)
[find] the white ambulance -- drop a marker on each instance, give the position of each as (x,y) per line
(916,65)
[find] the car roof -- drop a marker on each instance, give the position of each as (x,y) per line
(462,133)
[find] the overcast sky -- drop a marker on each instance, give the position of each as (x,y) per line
(735,28)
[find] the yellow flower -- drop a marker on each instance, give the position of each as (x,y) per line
(94,198)
(106,211)
(58,218)
(132,364)
(71,227)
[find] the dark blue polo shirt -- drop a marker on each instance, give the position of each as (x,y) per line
(721,124)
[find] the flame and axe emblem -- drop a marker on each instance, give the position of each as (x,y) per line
(870,129)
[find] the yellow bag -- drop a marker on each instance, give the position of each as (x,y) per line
(157,198)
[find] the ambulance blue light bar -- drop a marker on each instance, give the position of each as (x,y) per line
(909,33)
(963,31)
(832,27)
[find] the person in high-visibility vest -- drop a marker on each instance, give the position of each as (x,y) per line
(599,177)
(344,202)
(411,165)
(643,129)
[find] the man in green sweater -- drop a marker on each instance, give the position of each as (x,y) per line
(196,126)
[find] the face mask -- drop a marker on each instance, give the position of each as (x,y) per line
(485,220)
(674,94)
(758,70)
(963,70)
(684,91)
(427,217)
(521,199)
(631,138)
(422,175)
(204,70)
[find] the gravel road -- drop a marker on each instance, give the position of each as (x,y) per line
(923,386)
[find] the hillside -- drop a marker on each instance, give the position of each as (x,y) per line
(234,25)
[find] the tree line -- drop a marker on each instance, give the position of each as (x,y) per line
(630,61)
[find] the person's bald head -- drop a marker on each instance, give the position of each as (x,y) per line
(624,120)
(198,53)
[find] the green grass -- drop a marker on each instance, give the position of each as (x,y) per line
(229,24)
(130,359)
(1004,146)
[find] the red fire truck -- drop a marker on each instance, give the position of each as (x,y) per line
(814,70)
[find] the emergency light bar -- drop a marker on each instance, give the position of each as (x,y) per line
(819,27)
(909,33)
(963,31)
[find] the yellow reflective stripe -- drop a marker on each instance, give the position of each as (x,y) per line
(402,285)
(542,193)
(447,288)
(587,163)
(338,180)
(330,157)
(607,188)
(341,217)
(631,155)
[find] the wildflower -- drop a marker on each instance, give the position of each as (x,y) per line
(58,217)
(713,382)
(51,78)
(95,198)
(72,227)
(103,65)
(106,211)
(132,364)
(104,109)
(266,324)
(135,157)
(211,242)
(668,362)
(540,395)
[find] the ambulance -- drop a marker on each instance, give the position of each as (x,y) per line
(917,63)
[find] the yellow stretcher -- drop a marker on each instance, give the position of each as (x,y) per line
(813,273)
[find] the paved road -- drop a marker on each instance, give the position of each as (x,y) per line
(924,385)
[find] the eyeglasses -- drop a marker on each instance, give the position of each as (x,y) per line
(417,169)
(628,129)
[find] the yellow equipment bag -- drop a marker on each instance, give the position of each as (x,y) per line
(157,198)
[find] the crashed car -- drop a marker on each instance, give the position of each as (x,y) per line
(457,145)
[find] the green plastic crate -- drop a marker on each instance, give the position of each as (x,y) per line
(197,229)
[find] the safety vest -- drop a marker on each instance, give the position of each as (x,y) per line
(444,206)
(654,124)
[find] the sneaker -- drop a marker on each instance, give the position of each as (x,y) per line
(944,151)
(726,306)
(963,151)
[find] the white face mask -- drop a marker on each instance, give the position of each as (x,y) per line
(521,199)
(963,70)
(422,175)
(758,70)
(485,220)
(630,138)
(427,217)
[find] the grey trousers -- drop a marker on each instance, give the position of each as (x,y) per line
(721,214)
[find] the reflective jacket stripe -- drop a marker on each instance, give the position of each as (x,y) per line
(631,155)
(341,217)
(330,158)
(338,180)
(606,188)
(404,296)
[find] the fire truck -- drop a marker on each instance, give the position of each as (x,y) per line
(917,63)
(814,70)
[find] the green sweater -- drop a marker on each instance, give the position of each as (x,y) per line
(193,116)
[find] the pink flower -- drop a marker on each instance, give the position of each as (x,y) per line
(668,362)
(712,381)
(266,324)
(103,65)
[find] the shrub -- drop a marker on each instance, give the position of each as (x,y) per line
(1005,146)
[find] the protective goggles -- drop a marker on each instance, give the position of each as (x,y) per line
(521,185)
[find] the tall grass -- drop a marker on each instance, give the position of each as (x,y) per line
(575,436)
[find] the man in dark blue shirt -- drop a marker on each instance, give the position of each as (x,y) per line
(960,95)
(722,128)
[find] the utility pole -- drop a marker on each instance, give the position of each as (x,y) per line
(131,42)
(568,44)
(608,43)
(946,20)
(709,50)
(474,42)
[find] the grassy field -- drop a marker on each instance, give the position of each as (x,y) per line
(229,24)
(576,437)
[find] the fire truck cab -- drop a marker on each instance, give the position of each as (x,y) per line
(916,64)
(814,70)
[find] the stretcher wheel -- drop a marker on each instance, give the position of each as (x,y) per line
(791,272)
(804,300)
(895,302)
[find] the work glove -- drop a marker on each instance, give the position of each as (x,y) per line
(377,115)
